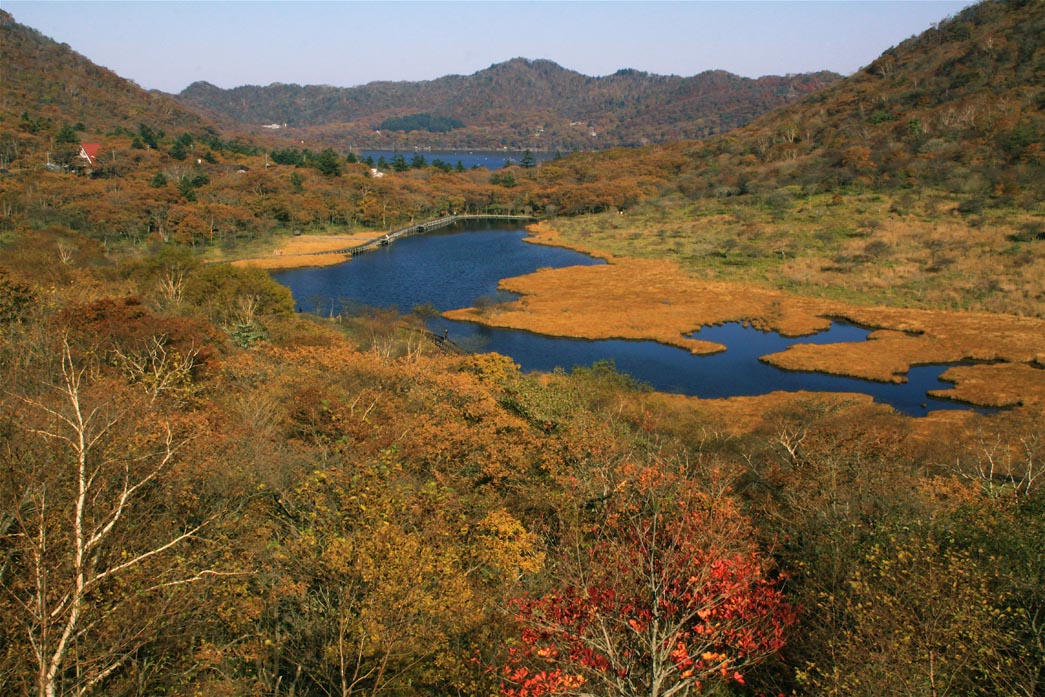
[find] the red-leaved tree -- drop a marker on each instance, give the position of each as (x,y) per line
(665,594)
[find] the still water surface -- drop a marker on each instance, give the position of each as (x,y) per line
(453,269)
(468,158)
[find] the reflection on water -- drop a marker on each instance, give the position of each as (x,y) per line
(453,269)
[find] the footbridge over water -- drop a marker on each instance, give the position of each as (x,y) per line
(419,228)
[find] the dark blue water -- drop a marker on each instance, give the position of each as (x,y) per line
(467,158)
(451,270)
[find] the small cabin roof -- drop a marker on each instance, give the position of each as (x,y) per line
(90,150)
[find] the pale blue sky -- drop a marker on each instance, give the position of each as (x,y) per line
(168,45)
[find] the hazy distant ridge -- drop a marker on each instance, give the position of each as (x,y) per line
(522,102)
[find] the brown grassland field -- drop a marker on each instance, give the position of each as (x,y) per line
(671,271)
(306,250)
(664,300)
(935,286)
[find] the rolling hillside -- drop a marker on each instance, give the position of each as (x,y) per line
(959,109)
(207,492)
(519,103)
(959,106)
(918,181)
(92,96)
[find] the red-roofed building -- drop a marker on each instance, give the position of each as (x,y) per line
(89,152)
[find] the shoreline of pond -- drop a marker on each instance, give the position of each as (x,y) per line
(900,339)
(1006,370)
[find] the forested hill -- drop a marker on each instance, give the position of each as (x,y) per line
(916,181)
(519,103)
(205,491)
(958,108)
(46,83)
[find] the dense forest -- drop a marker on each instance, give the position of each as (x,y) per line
(516,104)
(204,491)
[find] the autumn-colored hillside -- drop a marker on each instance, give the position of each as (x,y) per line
(959,107)
(517,104)
(918,181)
(161,173)
(203,491)
(45,83)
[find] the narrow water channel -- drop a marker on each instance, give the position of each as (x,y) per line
(457,267)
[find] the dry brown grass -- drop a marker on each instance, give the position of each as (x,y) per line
(307,250)
(656,300)
(739,416)
(907,250)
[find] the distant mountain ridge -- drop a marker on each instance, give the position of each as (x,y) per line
(517,103)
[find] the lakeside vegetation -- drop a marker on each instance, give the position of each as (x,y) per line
(205,492)
(342,502)
(903,249)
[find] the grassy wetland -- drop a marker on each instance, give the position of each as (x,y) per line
(666,300)
(907,249)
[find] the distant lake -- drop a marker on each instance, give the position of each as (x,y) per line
(453,269)
(468,158)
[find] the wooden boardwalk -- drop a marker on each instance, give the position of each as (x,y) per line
(417,229)
(444,344)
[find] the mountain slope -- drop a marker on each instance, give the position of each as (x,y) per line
(960,105)
(521,103)
(47,80)
(919,181)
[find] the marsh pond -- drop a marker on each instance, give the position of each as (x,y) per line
(462,265)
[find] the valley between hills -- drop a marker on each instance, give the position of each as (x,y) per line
(207,488)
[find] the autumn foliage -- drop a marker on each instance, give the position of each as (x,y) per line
(662,593)
(350,510)
(203,491)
